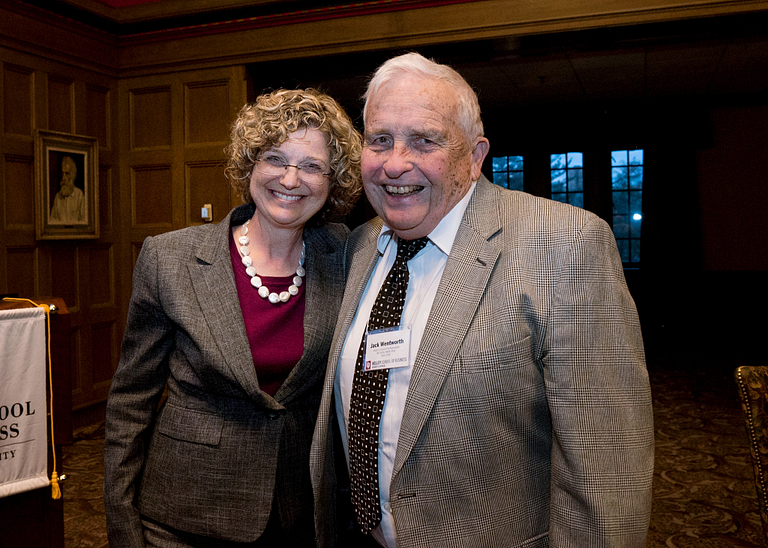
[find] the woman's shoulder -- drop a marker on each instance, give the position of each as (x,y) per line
(186,240)
(180,237)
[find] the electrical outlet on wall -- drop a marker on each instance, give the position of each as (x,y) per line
(207,213)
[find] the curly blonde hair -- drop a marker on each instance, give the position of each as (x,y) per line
(268,122)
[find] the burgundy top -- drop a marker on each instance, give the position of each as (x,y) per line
(275,331)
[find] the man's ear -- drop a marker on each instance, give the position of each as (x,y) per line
(479,152)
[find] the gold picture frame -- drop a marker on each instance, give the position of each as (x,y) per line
(66,186)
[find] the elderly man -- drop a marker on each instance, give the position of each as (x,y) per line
(69,202)
(506,401)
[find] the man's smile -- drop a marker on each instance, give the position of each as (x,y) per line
(403,190)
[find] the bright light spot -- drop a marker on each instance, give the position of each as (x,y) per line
(637,216)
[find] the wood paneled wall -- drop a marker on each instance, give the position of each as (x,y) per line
(174,131)
(161,150)
(43,94)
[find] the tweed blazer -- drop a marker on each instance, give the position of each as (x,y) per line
(207,462)
(528,417)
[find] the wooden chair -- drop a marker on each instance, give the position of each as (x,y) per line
(753,391)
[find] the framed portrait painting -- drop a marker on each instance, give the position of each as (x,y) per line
(66,186)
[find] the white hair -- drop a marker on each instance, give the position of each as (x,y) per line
(468,108)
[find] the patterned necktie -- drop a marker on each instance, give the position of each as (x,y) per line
(369,390)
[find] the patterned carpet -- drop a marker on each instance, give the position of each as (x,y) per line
(704,492)
(84,523)
(704,495)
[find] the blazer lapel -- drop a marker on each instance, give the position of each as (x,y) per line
(324,284)
(214,285)
(462,285)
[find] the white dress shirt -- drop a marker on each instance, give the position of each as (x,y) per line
(425,271)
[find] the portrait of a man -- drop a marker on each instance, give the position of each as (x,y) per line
(69,204)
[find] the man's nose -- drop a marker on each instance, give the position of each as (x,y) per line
(398,161)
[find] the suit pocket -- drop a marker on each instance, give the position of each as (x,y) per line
(190,425)
(504,356)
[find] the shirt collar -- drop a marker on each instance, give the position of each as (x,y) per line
(444,234)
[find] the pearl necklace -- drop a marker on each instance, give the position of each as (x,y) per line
(264,293)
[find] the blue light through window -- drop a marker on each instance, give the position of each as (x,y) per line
(627,187)
(567,177)
(508,172)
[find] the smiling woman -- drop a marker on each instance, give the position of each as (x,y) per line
(288,183)
(266,124)
(218,315)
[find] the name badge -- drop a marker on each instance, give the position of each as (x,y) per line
(387,348)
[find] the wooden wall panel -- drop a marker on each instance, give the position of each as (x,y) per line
(206,112)
(207,185)
(61,103)
(80,386)
(102,276)
(65,279)
(97,113)
(19,192)
(150,118)
(104,353)
(18,95)
(151,197)
(105,198)
(59,41)
(21,268)
(135,250)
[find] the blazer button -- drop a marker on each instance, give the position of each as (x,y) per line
(273,415)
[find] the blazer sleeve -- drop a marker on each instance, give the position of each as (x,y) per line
(599,397)
(134,394)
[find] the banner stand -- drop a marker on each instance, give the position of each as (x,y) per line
(32,517)
(26,348)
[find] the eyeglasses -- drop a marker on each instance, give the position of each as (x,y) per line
(276,166)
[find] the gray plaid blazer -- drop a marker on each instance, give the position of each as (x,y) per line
(528,417)
(207,463)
